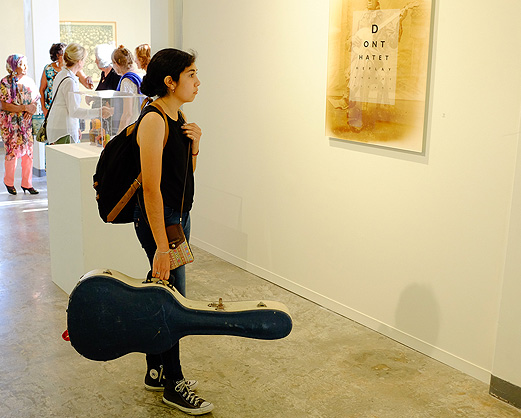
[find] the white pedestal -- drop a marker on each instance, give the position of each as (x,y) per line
(38,159)
(79,240)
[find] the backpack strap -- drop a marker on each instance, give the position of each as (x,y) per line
(163,114)
(136,184)
(52,100)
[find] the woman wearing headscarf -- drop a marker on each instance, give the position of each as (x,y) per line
(18,97)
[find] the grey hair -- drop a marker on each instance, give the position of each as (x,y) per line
(104,54)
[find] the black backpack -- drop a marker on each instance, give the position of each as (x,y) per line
(118,175)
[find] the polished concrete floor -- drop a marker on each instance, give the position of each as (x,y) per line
(329,366)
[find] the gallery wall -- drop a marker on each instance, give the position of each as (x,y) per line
(410,245)
(132,17)
(507,361)
(12,35)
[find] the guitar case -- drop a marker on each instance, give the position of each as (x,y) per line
(111,314)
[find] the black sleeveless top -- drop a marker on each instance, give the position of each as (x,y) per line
(176,154)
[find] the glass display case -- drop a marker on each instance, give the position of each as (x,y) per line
(103,114)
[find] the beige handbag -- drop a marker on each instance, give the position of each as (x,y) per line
(180,251)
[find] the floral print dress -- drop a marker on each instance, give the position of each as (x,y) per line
(16,128)
(50,73)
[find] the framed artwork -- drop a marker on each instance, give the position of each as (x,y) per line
(378,68)
(89,35)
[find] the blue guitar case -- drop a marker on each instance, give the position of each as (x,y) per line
(111,314)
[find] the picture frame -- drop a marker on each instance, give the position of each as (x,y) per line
(378,72)
(89,35)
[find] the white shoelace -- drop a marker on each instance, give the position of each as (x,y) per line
(187,393)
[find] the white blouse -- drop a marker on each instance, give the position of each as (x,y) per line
(128,86)
(65,113)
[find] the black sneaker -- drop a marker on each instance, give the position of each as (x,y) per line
(155,380)
(180,396)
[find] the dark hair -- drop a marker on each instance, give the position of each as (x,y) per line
(56,50)
(167,62)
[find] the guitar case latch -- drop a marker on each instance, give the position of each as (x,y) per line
(218,306)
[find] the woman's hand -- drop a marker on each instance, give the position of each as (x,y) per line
(89,82)
(30,108)
(86,81)
(28,111)
(106,112)
(193,132)
(161,266)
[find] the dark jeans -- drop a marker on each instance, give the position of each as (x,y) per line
(169,359)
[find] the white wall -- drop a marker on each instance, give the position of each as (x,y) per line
(412,246)
(132,17)
(166,24)
(507,361)
(42,29)
(12,34)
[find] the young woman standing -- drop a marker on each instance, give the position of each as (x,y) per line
(172,76)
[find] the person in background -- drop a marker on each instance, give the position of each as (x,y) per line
(172,77)
(18,97)
(63,124)
(143,56)
(51,70)
(130,82)
(124,65)
(109,78)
